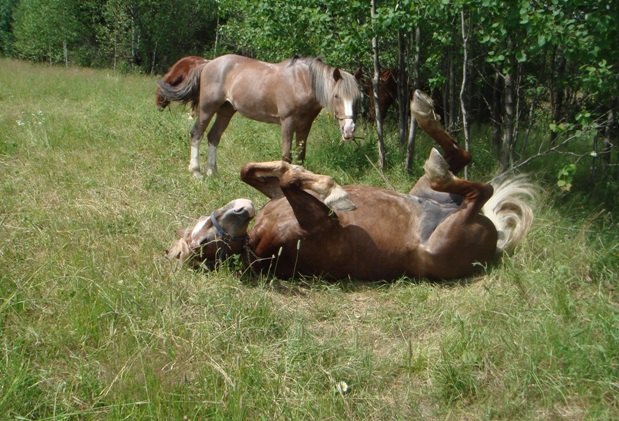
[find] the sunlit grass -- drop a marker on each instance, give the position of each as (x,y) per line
(96,324)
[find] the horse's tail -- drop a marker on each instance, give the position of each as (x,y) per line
(510,210)
(186,91)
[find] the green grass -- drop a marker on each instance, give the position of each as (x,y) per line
(96,324)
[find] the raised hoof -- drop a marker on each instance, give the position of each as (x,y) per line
(436,168)
(422,103)
(338,200)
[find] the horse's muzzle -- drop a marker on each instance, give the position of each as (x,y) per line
(347,128)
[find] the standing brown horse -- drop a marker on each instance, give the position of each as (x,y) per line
(176,75)
(445,227)
(387,92)
(290,93)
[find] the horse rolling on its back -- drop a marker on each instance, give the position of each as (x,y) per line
(290,93)
(176,75)
(445,227)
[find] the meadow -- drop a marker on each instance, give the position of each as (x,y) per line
(96,324)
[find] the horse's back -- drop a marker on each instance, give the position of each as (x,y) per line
(267,92)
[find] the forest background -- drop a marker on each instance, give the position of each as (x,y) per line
(519,67)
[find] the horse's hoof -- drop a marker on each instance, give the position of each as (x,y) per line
(436,168)
(422,104)
(210,172)
(197,175)
(338,200)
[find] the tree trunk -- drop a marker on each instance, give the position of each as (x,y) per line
(154,60)
(375,86)
(65,52)
(402,89)
(496,111)
(465,124)
(216,43)
(557,94)
(410,145)
(451,92)
(608,135)
(507,140)
(508,123)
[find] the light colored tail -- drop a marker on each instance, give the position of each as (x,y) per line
(510,210)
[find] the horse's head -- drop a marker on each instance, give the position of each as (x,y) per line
(214,237)
(344,96)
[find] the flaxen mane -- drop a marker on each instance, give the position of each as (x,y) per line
(325,87)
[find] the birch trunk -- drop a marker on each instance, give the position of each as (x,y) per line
(375,86)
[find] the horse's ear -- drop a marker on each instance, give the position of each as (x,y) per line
(359,74)
(336,74)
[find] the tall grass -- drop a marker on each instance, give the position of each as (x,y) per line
(96,324)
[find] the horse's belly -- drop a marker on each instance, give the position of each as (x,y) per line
(258,114)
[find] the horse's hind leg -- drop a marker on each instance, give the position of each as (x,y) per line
(301,136)
(196,135)
(224,114)
(464,237)
(287,133)
(441,179)
(422,108)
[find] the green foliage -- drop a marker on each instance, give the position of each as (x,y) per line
(42,27)
(275,30)
(565,178)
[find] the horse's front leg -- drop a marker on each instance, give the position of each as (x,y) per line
(264,176)
(267,177)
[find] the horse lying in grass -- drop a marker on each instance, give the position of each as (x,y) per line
(290,93)
(177,75)
(445,227)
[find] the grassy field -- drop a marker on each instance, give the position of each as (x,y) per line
(96,324)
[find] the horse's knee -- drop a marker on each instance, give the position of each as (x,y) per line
(485,192)
(246,172)
(289,179)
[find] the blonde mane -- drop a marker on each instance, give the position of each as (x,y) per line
(326,88)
